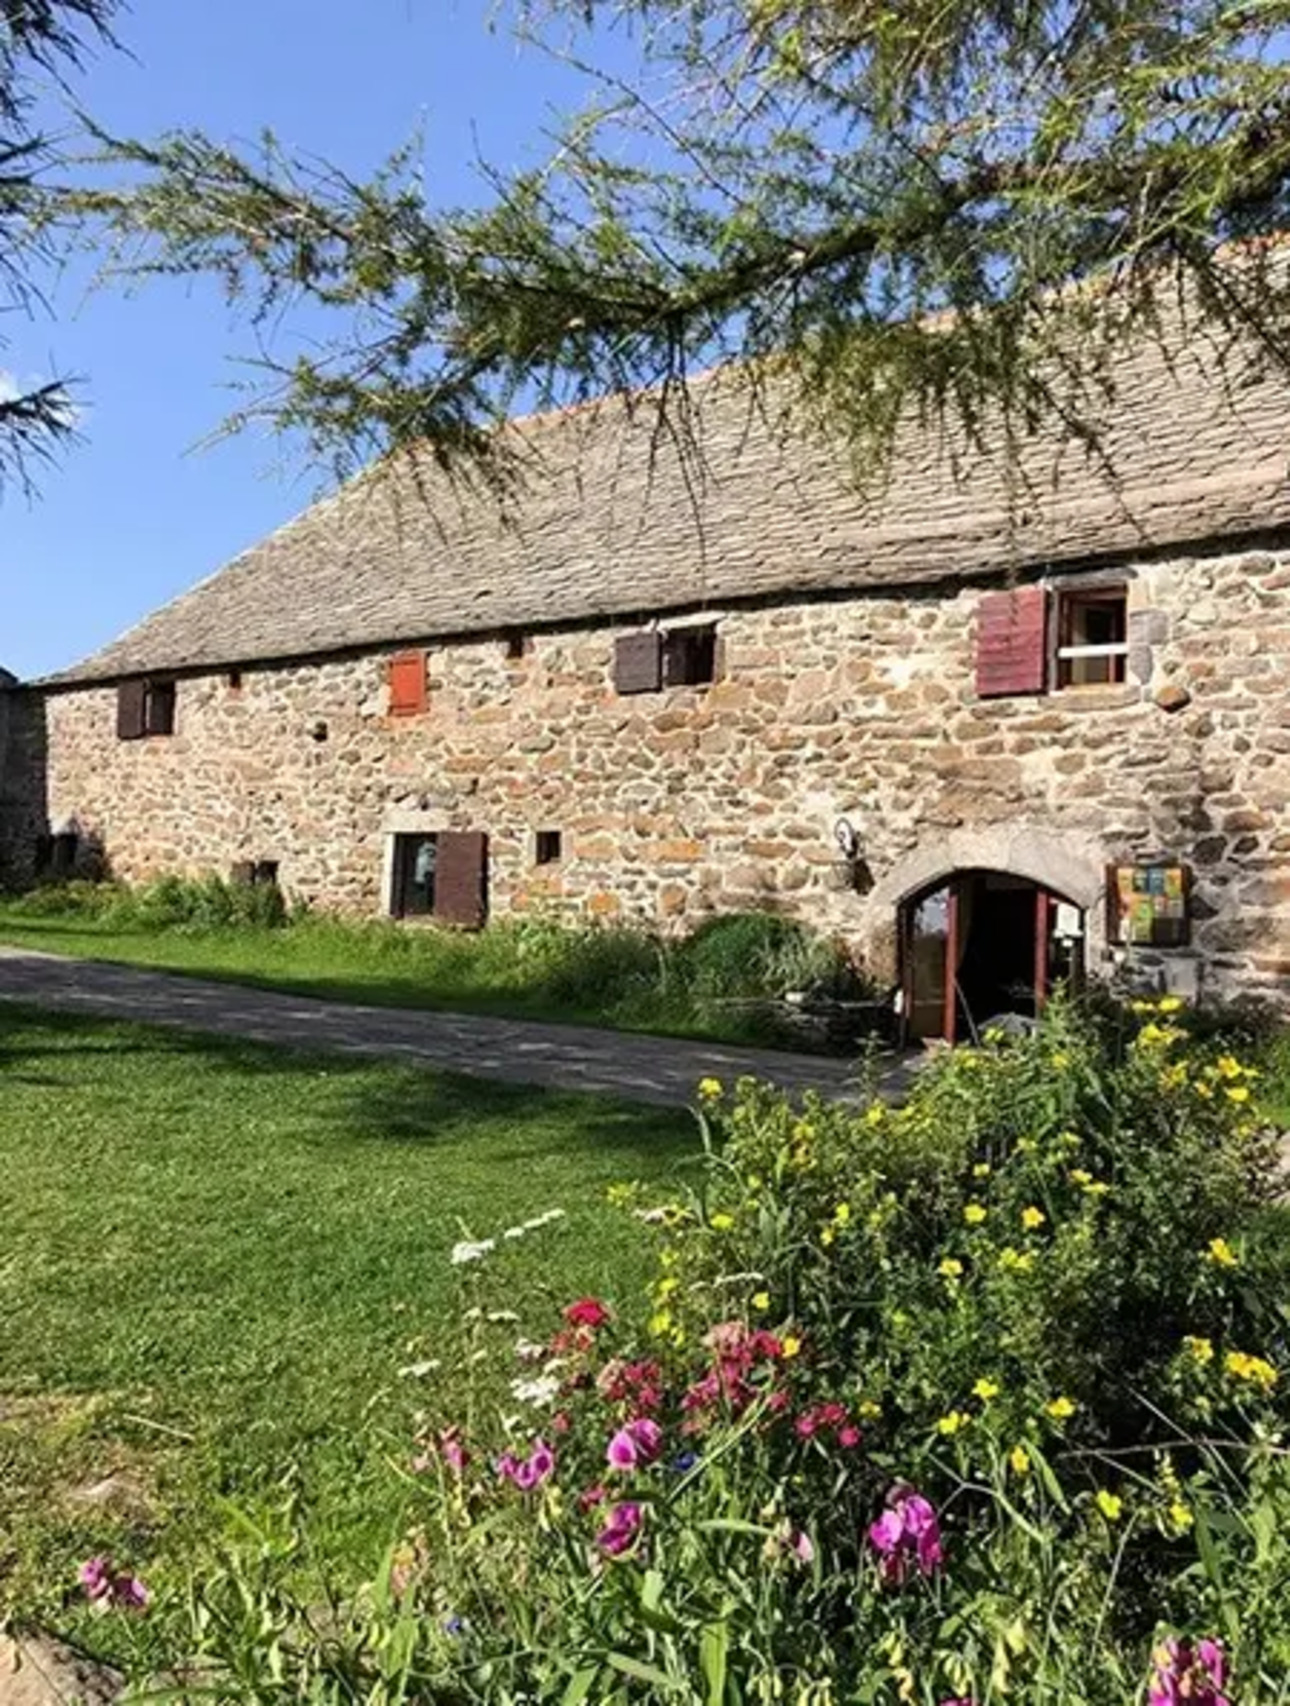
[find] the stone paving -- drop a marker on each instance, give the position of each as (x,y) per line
(660,1070)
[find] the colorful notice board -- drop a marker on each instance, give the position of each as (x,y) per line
(1151,905)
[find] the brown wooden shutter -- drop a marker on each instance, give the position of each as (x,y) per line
(638,662)
(131,699)
(407,684)
(1011,642)
(461,878)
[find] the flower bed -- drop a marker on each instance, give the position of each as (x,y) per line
(974,1399)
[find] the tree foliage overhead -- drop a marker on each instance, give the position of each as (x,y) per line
(38,39)
(809,183)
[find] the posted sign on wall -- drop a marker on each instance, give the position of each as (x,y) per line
(1149,903)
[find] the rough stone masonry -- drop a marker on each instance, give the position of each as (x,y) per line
(845,682)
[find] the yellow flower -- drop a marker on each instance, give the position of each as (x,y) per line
(1033,1218)
(721,1222)
(791,1345)
(1180,1516)
(1016,1261)
(1080,1176)
(761,1300)
(1098,1188)
(1111,1505)
(666,1286)
(1221,1253)
(1237,1093)
(710,1089)
(1204,1090)
(1170,1004)
(1019,1458)
(1026,1146)
(985,1390)
(828,1236)
(868,1410)
(1061,1409)
(1060,1061)
(876,1114)
(1068,1139)
(1227,1066)
(950,1425)
(1242,1366)
(842,1213)
(660,1323)
(981,1170)
(1201,1349)
(974,1214)
(950,1268)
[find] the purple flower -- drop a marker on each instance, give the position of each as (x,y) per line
(107,1588)
(906,1532)
(1189,1674)
(529,1472)
(635,1444)
(804,1548)
(620,1532)
(684,1462)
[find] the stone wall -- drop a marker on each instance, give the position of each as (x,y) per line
(23,800)
(690,801)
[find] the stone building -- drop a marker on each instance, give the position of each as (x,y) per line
(991,723)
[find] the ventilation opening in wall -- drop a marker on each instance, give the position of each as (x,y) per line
(547,848)
(516,646)
(256,872)
(233,680)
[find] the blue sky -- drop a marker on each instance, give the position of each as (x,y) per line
(135,514)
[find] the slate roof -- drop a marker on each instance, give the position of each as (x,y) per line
(613,525)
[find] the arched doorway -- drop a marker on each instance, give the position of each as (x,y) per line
(978,944)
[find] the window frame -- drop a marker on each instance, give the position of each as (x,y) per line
(548,848)
(1066,598)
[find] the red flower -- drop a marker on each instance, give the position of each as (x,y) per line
(587,1312)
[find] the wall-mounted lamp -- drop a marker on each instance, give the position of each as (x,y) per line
(847,837)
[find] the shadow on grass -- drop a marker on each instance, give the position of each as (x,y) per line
(366,1101)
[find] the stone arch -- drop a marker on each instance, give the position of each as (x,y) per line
(1072,865)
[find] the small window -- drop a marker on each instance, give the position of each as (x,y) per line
(689,656)
(159,708)
(415,860)
(1092,636)
(517,646)
(547,848)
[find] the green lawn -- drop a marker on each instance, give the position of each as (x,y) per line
(216,1258)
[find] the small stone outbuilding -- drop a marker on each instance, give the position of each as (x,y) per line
(993,724)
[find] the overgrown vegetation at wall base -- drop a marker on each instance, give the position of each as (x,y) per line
(725,980)
(976,1399)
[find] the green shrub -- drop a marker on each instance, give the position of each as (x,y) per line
(973,1399)
(757,954)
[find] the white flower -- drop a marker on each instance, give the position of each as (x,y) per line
(542,1391)
(542,1220)
(527,1351)
(467,1251)
(418,1370)
(514,1232)
(498,1317)
(651,1216)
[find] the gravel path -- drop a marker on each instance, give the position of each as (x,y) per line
(660,1070)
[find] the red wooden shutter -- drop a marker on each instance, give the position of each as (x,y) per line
(461,878)
(407,684)
(638,662)
(131,697)
(1011,642)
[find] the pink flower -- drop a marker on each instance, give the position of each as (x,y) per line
(906,1532)
(621,1531)
(804,1549)
(1189,1674)
(804,1426)
(452,1450)
(530,1472)
(635,1444)
(107,1588)
(587,1312)
(849,1436)
(590,1497)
